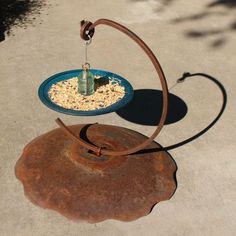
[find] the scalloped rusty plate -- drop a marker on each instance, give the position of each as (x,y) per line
(60,175)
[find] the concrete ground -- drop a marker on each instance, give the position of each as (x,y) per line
(186,36)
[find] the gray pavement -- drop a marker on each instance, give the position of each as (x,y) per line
(186,36)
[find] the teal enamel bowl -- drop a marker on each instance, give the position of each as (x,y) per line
(46,85)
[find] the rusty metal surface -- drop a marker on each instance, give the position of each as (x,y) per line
(59,174)
(87,31)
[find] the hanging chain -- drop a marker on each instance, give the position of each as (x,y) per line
(86,48)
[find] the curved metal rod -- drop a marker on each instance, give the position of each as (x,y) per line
(99,151)
(67,131)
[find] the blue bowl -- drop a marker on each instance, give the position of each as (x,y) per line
(46,85)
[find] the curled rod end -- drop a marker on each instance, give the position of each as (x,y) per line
(59,121)
(86,33)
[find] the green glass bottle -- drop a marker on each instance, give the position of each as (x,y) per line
(86,81)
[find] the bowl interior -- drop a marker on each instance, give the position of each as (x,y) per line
(46,85)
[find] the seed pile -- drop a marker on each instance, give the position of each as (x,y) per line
(65,94)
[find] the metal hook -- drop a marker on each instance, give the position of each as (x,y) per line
(87,42)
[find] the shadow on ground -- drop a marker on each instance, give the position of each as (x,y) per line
(187,76)
(217,33)
(17,12)
(146,108)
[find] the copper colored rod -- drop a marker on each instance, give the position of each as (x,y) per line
(77,139)
(85,31)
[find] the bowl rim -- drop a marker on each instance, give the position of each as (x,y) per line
(65,75)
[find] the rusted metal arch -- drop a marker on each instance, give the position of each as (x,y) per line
(87,32)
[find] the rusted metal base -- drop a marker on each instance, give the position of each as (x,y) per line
(62,176)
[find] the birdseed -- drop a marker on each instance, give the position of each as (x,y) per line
(65,94)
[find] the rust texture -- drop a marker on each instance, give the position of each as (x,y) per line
(59,174)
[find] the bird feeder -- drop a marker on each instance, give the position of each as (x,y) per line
(94,172)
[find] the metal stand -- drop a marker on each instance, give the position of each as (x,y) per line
(97,172)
